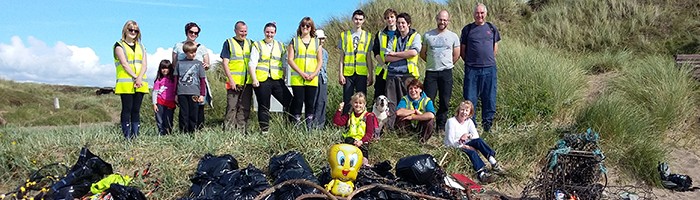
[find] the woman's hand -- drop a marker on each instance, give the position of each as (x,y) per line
(205,65)
(155,108)
(309,77)
(464,137)
(138,82)
(256,83)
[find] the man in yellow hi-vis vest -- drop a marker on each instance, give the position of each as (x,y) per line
(235,55)
(355,65)
(401,56)
(390,32)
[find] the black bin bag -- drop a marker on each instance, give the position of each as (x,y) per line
(418,169)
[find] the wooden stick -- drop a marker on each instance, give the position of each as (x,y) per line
(392,188)
(269,191)
(442,161)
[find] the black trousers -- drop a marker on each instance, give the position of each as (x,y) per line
(189,110)
(379,85)
(131,107)
(269,88)
(439,82)
(353,84)
(303,96)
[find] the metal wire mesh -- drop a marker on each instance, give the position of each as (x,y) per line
(575,169)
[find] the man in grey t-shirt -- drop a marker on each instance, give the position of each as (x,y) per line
(440,53)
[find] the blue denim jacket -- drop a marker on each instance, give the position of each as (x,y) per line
(323,75)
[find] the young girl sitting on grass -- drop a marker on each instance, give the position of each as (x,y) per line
(164,97)
(361,124)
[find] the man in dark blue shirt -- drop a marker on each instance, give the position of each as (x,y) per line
(479,44)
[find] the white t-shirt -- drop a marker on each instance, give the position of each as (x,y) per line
(201,51)
(454,130)
(355,40)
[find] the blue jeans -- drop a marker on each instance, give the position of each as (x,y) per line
(164,119)
(480,84)
(482,147)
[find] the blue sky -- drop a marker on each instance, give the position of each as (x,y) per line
(70,42)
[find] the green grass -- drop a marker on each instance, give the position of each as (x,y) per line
(30,104)
(548,52)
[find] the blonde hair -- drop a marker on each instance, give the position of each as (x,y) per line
(359,96)
(131,24)
(189,47)
(466,103)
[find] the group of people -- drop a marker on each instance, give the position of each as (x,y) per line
(259,67)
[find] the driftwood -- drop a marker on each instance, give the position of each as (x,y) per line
(327,195)
(272,189)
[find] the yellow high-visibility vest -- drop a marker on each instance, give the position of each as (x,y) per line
(356,126)
(125,83)
(355,61)
(421,106)
(384,48)
(270,61)
(305,59)
(238,61)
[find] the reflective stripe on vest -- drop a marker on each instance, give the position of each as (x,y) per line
(238,61)
(270,61)
(355,62)
(411,62)
(357,126)
(124,81)
(421,105)
(306,61)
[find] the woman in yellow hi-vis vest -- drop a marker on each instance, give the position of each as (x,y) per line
(267,74)
(130,62)
(304,56)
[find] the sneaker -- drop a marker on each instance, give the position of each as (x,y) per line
(497,168)
(484,177)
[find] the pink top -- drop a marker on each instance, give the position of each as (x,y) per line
(165,91)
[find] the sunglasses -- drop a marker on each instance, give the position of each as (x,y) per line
(192,32)
(305,26)
(134,30)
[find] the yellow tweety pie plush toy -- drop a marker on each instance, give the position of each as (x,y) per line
(345,161)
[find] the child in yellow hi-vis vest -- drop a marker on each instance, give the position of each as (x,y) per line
(361,124)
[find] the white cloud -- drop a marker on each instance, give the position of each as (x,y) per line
(61,64)
(34,61)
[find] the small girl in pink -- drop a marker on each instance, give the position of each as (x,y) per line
(164,97)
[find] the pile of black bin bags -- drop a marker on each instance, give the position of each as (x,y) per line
(218,178)
(87,170)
